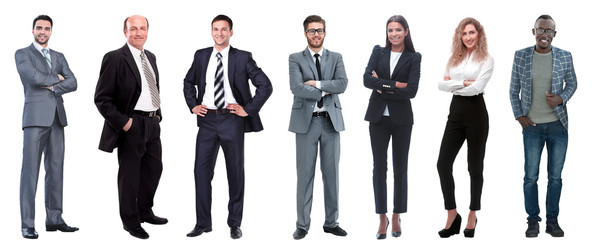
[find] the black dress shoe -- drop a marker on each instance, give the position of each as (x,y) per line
(198,231)
(454,228)
(156,220)
(138,232)
(29,233)
(299,233)
(61,227)
(235,233)
(337,231)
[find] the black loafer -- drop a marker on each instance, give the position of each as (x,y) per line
(61,227)
(235,233)
(29,233)
(156,220)
(337,231)
(138,232)
(198,231)
(299,233)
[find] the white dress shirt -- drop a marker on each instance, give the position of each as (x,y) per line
(145,100)
(468,69)
(208,98)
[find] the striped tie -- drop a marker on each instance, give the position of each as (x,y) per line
(219,84)
(151,81)
(46,56)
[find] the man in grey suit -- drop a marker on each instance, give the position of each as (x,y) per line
(317,77)
(46,77)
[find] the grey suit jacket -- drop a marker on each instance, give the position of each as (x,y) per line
(334,81)
(42,104)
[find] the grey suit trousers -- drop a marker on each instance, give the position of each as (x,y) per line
(320,133)
(48,141)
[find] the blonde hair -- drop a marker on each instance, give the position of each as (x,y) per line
(459,50)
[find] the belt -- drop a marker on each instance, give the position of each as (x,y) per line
(146,114)
(218,111)
(320,114)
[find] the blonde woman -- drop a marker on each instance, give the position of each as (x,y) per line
(469,69)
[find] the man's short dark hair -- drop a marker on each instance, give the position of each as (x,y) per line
(544,16)
(42,17)
(223,17)
(125,23)
(311,19)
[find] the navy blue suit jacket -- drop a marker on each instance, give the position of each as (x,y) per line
(241,67)
(397,99)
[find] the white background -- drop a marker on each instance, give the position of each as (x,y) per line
(85,30)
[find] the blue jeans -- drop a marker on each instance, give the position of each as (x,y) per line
(555,136)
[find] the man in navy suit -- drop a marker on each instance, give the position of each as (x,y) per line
(127,96)
(225,110)
(46,77)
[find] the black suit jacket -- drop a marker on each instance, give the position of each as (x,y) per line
(241,67)
(397,99)
(117,93)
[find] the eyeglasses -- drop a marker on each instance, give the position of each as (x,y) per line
(312,31)
(550,32)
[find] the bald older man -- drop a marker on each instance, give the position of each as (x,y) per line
(127,96)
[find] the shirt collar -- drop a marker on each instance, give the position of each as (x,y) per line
(134,50)
(39,47)
(224,52)
(312,53)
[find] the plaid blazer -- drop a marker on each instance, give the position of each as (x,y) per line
(521,82)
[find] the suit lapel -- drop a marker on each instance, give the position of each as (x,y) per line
(311,64)
(402,61)
(40,57)
(129,58)
(231,65)
(528,67)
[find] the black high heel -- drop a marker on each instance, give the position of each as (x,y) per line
(469,233)
(454,228)
(396,233)
(383,235)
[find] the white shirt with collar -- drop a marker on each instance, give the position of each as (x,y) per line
(40,49)
(318,81)
(208,98)
(145,101)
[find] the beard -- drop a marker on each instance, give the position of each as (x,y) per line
(314,43)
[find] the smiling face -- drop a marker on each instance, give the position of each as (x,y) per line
(42,32)
(315,41)
(543,41)
(221,34)
(470,37)
(136,31)
(396,34)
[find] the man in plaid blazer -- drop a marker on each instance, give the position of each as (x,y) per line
(543,80)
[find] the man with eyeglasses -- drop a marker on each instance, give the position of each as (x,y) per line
(45,76)
(543,80)
(317,77)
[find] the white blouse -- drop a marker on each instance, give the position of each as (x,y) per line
(468,69)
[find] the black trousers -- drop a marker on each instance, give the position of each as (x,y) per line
(380,135)
(215,131)
(468,120)
(140,168)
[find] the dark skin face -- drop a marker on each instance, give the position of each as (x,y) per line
(543,41)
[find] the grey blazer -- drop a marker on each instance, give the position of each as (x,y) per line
(334,81)
(41,104)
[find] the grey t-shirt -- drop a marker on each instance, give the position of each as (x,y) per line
(542,74)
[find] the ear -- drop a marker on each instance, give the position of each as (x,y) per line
(533,32)
(406,32)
